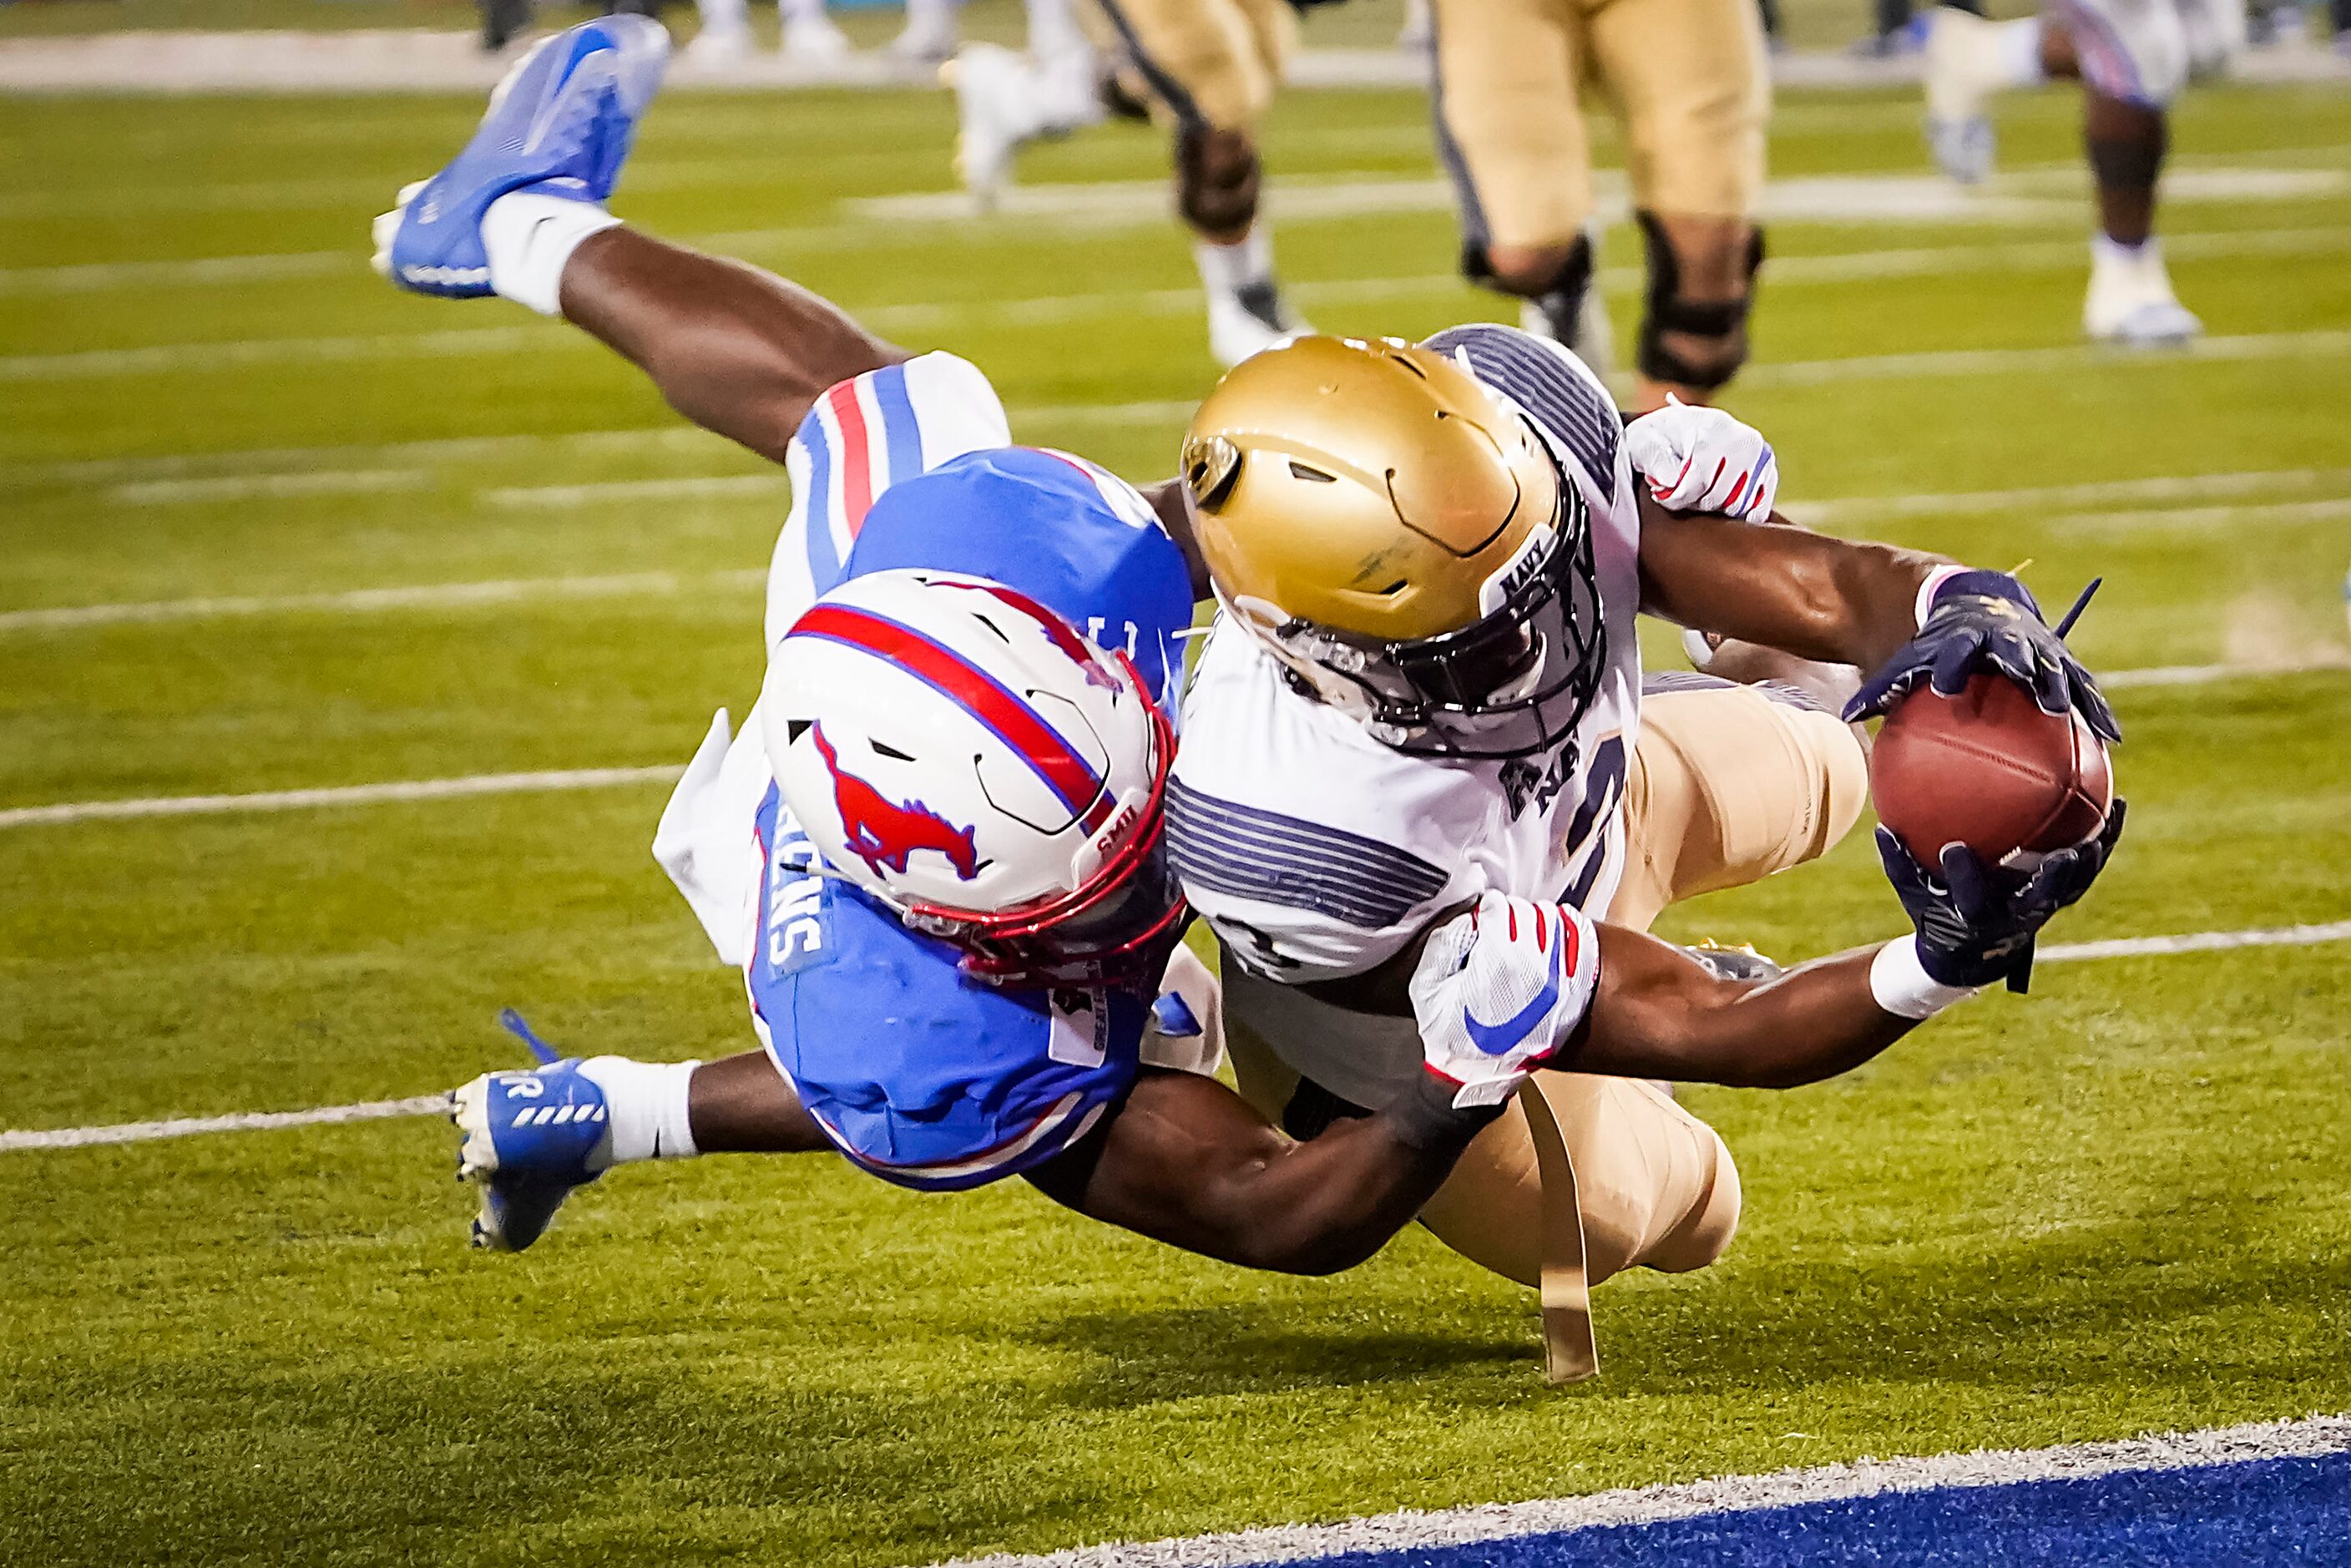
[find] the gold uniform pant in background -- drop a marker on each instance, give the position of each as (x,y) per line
(1199,62)
(1727,785)
(1686,80)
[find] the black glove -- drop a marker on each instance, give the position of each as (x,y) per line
(1977,924)
(1988,620)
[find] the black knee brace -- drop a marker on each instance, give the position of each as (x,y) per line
(1669,312)
(1560,298)
(1217,179)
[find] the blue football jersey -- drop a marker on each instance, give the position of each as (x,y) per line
(919,1073)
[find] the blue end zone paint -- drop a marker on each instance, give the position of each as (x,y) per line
(2289,1511)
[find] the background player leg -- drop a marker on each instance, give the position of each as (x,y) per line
(1688,79)
(810,38)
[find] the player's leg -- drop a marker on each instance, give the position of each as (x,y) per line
(2133,57)
(1211,67)
(1655,1186)
(1510,138)
(1729,784)
(533,1137)
(518,213)
(1688,78)
(1967,61)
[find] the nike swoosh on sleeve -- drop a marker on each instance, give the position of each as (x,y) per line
(1495,1039)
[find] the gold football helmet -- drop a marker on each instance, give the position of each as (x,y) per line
(1402,540)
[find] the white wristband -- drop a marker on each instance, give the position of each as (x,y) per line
(1929,588)
(1901,986)
(529,237)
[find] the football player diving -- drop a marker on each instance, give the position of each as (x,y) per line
(937,848)
(1424,691)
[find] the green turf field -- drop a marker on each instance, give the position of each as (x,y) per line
(2119,1205)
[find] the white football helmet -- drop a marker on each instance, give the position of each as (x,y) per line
(965,755)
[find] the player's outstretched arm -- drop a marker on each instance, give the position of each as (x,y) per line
(1186,1161)
(736,350)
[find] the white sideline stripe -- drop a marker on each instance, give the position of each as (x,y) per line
(2195,942)
(364,600)
(343,795)
(249,1122)
(432,1105)
(1410,1529)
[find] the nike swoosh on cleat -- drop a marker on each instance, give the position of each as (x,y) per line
(1495,1039)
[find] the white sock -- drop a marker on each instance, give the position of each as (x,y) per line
(647,1104)
(1229,269)
(2019,46)
(2108,255)
(529,238)
(726,18)
(802,13)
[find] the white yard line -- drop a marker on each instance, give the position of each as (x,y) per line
(2313,1437)
(2330,509)
(2165,488)
(432,1105)
(2208,674)
(249,1122)
(92,278)
(343,795)
(370,600)
(691,487)
(2195,942)
(267,486)
(2259,346)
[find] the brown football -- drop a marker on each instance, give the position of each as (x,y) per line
(1988,769)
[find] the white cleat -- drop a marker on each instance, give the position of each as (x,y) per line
(2131,304)
(1248,320)
(1963,70)
(996,114)
(816,46)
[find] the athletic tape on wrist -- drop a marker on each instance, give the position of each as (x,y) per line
(1425,1118)
(1900,985)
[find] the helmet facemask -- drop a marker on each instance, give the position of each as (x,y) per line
(1514,683)
(1116,928)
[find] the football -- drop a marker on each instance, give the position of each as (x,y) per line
(1988,769)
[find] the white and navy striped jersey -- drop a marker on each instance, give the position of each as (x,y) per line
(1317,853)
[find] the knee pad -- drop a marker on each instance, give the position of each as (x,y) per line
(1725,324)
(1217,174)
(1560,298)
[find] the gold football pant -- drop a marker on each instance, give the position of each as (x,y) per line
(1686,79)
(1727,784)
(1199,63)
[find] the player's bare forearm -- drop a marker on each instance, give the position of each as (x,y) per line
(1842,601)
(1659,1013)
(736,350)
(1186,1161)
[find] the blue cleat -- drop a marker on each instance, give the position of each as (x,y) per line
(561,122)
(530,1138)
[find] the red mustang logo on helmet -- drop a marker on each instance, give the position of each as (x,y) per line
(884,833)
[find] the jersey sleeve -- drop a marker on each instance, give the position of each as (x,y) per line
(1556,389)
(1313,851)
(863,435)
(917,1073)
